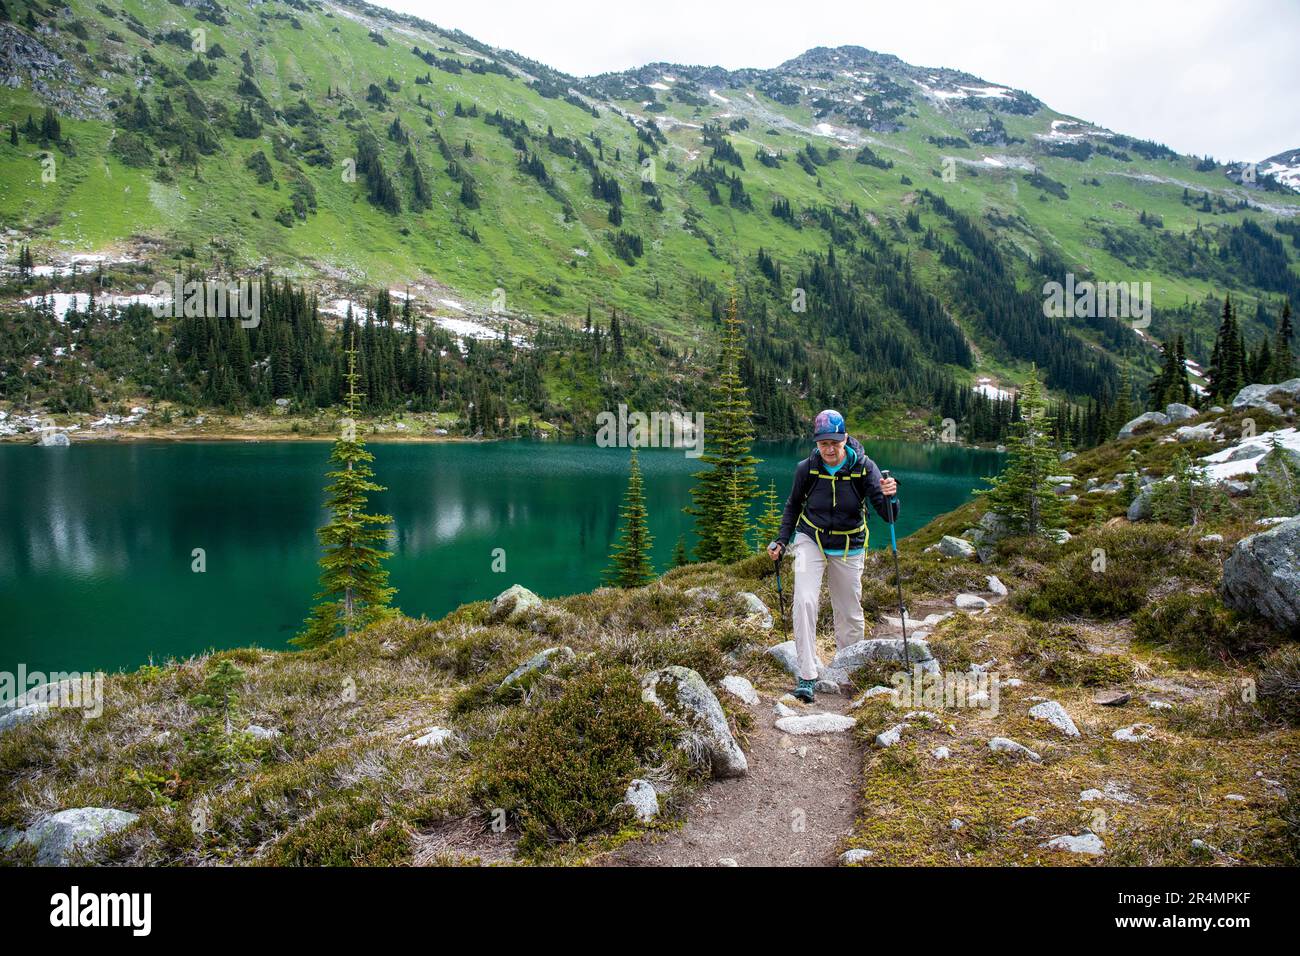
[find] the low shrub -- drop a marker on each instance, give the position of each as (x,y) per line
(1200,628)
(561,770)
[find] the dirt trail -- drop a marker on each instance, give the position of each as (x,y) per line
(794,807)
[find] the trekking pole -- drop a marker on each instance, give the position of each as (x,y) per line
(898,577)
(780,595)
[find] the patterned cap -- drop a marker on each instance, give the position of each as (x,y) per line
(829,424)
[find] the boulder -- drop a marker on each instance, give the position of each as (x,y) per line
(1066,456)
(785,655)
(643,800)
(1194,433)
(940,753)
(996,586)
(59,836)
(1143,422)
(541,661)
(1054,714)
(740,688)
(993,527)
(856,855)
(682,695)
(1262,575)
(812,724)
(956,547)
(754,609)
(22,715)
(858,655)
(970,602)
(1178,412)
(1260,396)
(510,602)
(1139,508)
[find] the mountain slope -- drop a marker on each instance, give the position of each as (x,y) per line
(948,198)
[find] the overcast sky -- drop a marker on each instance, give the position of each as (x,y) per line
(1200,76)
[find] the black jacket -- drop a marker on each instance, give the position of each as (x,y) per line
(837,508)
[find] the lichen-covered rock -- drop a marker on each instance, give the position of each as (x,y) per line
(1135,733)
(856,855)
(23,715)
(1262,575)
(956,547)
(740,688)
(1194,433)
(542,661)
(1087,843)
(681,694)
(59,836)
(1178,412)
(752,606)
(512,601)
(643,800)
(1054,714)
(1261,396)
(996,586)
(858,655)
(1005,745)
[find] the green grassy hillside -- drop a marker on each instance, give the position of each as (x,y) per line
(223,138)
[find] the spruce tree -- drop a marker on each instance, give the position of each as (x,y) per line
(769,519)
(728,434)
(1226,360)
(353,577)
(680,558)
(629,561)
(1283,367)
(1021,493)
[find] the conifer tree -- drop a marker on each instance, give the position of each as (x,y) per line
(1283,364)
(1227,359)
(629,561)
(1021,493)
(769,519)
(680,558)
(734,523)
(353,577)
(728,434)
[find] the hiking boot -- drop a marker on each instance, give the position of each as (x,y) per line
(806,691)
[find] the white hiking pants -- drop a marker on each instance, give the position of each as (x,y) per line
(846,600)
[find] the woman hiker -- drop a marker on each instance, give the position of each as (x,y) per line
(826,513)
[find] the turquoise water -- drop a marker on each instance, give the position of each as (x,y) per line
(97,545)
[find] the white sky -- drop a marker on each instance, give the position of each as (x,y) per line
(1198,75)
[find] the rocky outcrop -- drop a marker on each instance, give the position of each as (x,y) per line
(1178,412)
(1262,576)
(682,695)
